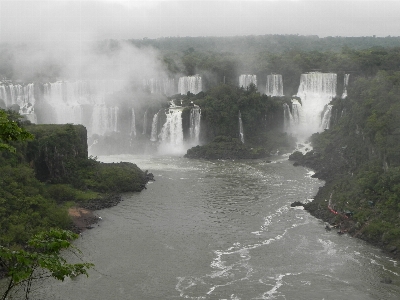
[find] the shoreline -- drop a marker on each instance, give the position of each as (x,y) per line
(82,219)
(82,215)
(342,223)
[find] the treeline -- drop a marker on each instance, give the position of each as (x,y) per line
(226,67)
(223,59)
(360,159)
(274,43)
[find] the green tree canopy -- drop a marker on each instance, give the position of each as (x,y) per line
(11,131)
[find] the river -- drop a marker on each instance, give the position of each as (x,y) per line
(223,230)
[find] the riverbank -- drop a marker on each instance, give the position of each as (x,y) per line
(338,206)
(82,219)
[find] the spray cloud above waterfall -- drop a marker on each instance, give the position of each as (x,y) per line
(105,60)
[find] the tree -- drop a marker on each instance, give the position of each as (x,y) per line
(10,131)
(41,259)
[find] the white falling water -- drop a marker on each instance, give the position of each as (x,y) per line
(241,134)
(23,96)
(171,135)
(246,79)
(145,123)
(67,108)
(287,118)
(133,123)
(192,84)
(194,129)
(346,83)
(104,119)
(3,94)
(326,117)
(154,128)
(292,118)
(274,85)
(316,90)
(68,98)
(164,86)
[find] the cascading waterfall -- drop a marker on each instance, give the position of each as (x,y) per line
(164,86)
(316,90)
(66,106)
(326,117)
(346,83)
(287,118)
(154,128)
(78,102)
(145,123)
(194,129)
(246,79)
(171,135)
(23,96)
(292,118)
(104,119)
(192,84)
(68,98)
(3,95)
(133,123)
(241,134)
(274,85)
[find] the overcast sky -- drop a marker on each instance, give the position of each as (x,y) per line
(59,20)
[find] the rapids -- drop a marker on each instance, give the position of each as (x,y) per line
(223,230)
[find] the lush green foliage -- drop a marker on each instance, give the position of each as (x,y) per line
(262,117)
(25,207)
(10,131)
(362,154)
(41,259)
(58,158)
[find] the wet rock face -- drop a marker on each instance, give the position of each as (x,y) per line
(55,150)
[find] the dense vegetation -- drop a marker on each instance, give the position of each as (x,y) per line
(360,160)
(50,173)
(262,119)
(358,157)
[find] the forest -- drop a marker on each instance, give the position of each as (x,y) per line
(359,159)
(360,150)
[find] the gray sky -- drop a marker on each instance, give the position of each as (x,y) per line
(59,20)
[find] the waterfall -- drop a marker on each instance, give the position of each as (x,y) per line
(192,84)
(145,123)
(287,118)
(246,79)
(316,90)
(274,85)
(3,95)
(326,117)
(194,129)
(68,99)
(154,128)
(66,107)
(292,118)
(133,123)
(164,86)
(104,119)
(346,83)
(241,128)
(171,135)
